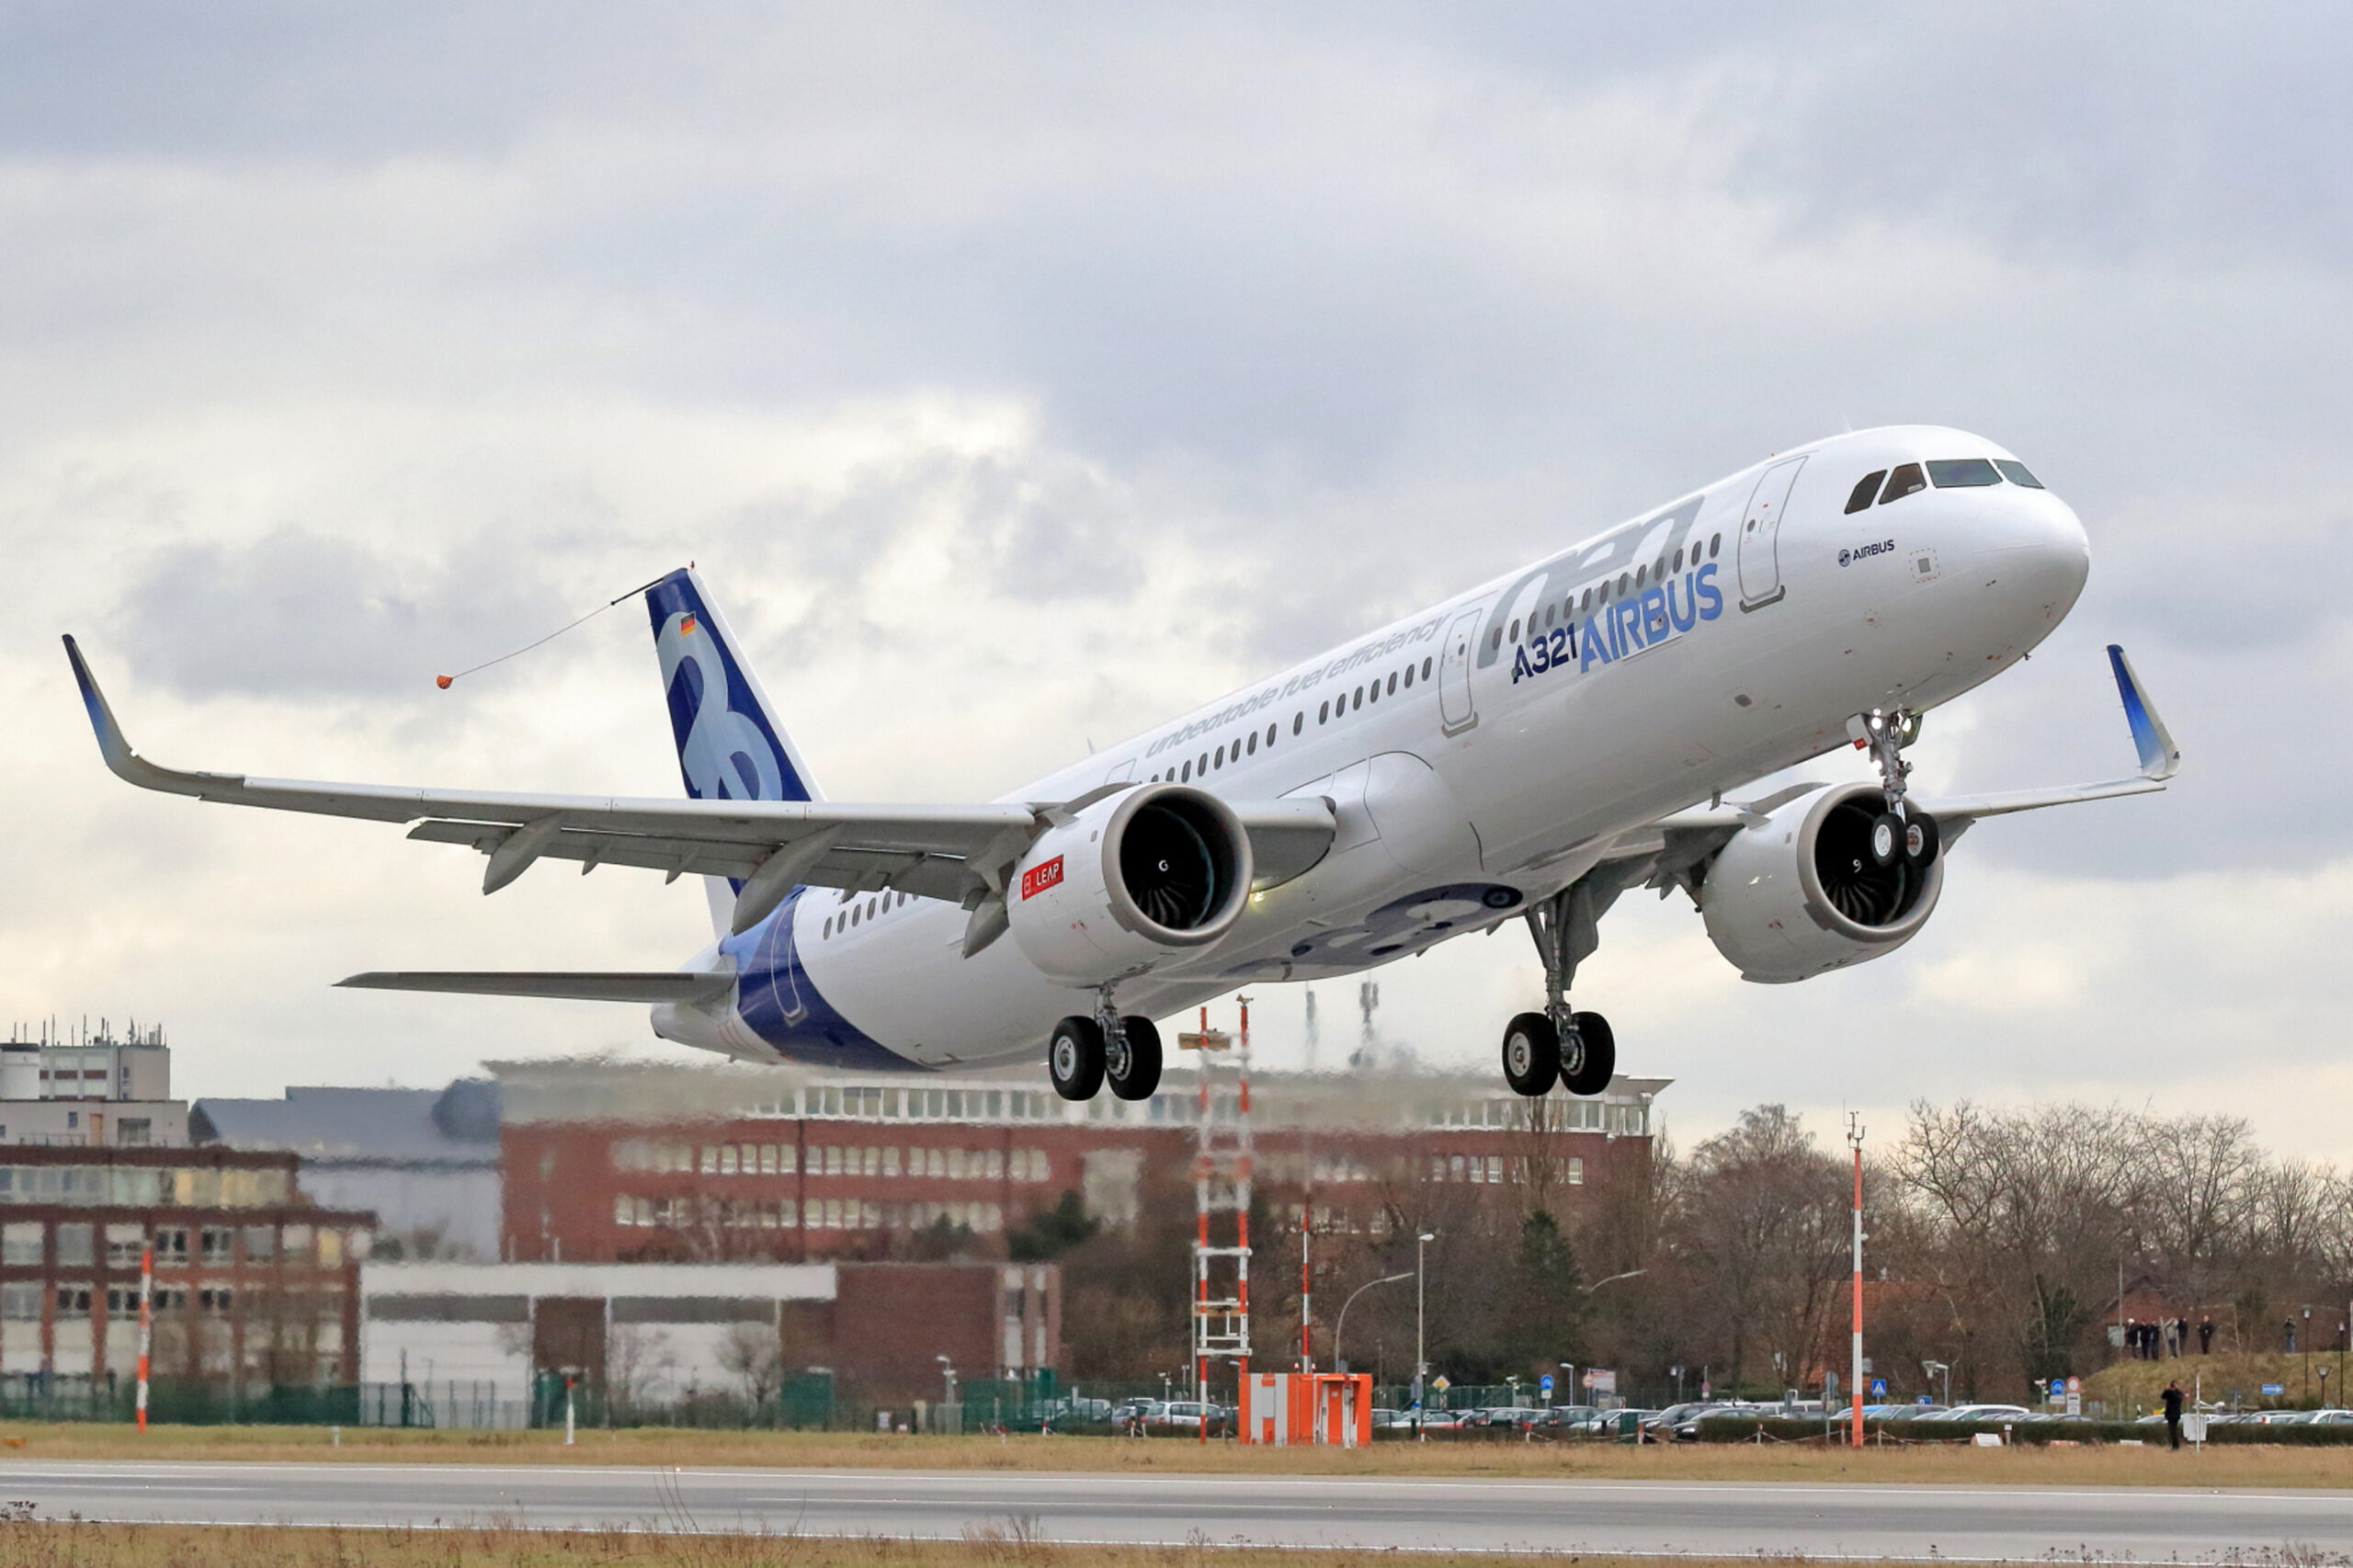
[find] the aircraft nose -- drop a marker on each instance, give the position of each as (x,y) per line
(2037,545)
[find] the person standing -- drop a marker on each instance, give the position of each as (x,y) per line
(2205,1335)
(2172,1412)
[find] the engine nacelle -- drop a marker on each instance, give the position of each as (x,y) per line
(1796,895)
(1148,875)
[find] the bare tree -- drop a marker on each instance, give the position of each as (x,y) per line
(753,1353)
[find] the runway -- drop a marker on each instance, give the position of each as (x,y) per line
(1732,1519)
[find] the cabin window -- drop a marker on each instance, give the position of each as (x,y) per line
(1189,771)
(1220,756)
(1963,473)
(1548,615)
(1254,743)
(1865,488)
(1715,546)
(1678,561)
(1270,734)
(1426,669)
(1624,583)
(1641,575)
(1515,631)
(2016,472)
(1357,700)
(1904,481)
(1393,683)
(1495,639)
(1409,678)
(1299,722)
(1324,711)
(853,915)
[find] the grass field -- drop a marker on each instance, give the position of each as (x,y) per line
(2099,1466)
(179,1546)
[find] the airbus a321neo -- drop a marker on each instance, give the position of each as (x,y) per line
(1527,750)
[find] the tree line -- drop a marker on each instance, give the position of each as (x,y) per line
(2001,1243)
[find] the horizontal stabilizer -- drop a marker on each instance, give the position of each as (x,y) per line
(651,985)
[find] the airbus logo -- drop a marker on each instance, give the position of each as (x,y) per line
(1884,547)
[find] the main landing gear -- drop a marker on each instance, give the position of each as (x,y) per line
(1899,833)
(1085,1053)
(1576,1050)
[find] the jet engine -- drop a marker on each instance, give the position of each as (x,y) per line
(1799,893)
(1150,874)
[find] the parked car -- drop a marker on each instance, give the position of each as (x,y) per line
(1184,1418)
(1984,1413)
(1128,1412)
(1064,1415)
(1494,1416)
(1553,1420)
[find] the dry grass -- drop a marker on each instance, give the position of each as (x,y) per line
(24,1545)
(1927,1463)
(2140,1382)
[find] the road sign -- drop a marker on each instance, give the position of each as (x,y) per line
(1601,1379)
(2275,1387)
(1879,1388)
(1440,1384)
(1545,1382)
(2058,1387)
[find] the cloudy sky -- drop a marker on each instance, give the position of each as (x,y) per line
(1019,375)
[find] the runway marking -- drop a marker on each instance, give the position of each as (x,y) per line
(116,1472)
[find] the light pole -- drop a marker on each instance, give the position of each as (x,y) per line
(1569,1383)
(1338,1364)
(948,1383)
(1936,1368)
(1421,1355)
(1855,1139)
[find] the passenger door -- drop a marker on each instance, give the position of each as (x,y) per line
(1455,712)
(1760,527)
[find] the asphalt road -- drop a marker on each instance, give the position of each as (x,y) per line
(1731,1519)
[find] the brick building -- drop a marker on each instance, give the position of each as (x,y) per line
(253,1285)
(607,1162)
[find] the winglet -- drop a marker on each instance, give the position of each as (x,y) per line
(2160,759)
(116,748)
(112,745)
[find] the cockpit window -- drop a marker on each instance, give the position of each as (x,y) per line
(1906,479)
(1865,488)
(2015,473)
(1963,473)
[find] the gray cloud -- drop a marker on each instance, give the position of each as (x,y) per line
(303,615)
(339,350)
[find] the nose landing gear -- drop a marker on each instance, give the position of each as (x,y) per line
(1084,1054)
(1578,1050)
(1900,833)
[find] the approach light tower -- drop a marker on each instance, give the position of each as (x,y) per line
(1222,1170)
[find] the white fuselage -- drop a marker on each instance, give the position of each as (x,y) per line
(1555,714)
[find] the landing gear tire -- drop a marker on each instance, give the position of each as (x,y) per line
(1132,1066)
(1887,839)
(1921,840)
(1532,1054)
(1589,1057)
(1075,1058)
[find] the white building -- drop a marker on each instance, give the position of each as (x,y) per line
(99,1092)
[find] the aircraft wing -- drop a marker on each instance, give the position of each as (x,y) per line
(1673,848)
(957,853)
(649,986)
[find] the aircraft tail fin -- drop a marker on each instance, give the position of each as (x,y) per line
(729,745)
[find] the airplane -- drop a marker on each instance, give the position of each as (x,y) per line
(1528,750)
